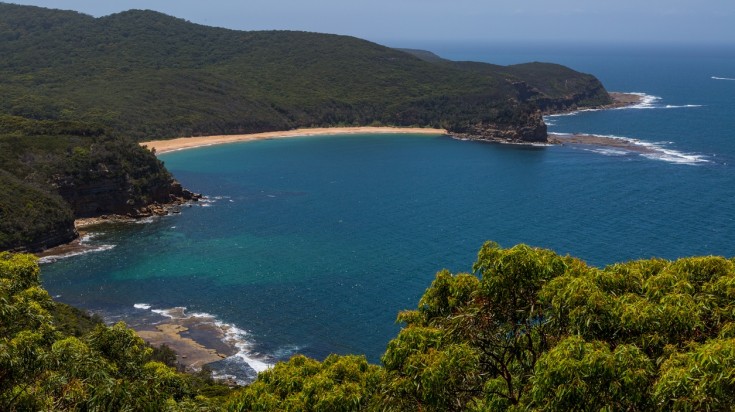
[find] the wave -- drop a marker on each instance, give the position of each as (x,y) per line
(78,248)
(234,337)
(79,252)
(722,78)
(145,221)
(630,146)
(684,106)
(657,151)
(609,152)
(647,102)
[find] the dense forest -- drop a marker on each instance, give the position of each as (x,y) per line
(527,330)
(52,171)
(78,92)
(149,75)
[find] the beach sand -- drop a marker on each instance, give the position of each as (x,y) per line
(163,146)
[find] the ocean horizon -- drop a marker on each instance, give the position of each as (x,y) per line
(313,245)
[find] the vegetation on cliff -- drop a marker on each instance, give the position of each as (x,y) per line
(77,91)
(53,358)
(527,330)
(149,75)
(54,170)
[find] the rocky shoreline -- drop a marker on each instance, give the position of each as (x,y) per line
(179,198)
(620,100)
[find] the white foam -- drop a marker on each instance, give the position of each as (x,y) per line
(237,337)
(683,106)
(89,236)
(647,101)
(231,335)
(673,156)
(722,78)
(170,313)
(54,258)
(609,152)
(144,306)
(144,221)
(655,151)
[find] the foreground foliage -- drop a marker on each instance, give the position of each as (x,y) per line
(532,330)
(527,330)
(105,368)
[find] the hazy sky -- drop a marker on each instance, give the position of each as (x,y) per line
(401,22)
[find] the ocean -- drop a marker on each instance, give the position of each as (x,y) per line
(313,245)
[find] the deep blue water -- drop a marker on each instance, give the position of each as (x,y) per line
(314,244)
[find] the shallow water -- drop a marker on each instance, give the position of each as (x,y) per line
(314,244)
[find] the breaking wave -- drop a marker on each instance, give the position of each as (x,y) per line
(649,150)
(78,248)
(234,337)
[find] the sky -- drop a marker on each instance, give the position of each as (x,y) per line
(403,22)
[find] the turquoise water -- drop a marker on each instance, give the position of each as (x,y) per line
(314,244)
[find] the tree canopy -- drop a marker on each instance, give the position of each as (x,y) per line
(149,75)
(97,368)
(527,330)
(533,330)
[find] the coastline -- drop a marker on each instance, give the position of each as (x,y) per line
(181,143)
(582,139)
(620,101)
(193,351)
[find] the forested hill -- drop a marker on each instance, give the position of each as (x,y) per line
(149,75)
(78,92)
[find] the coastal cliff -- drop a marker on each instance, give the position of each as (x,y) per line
(69,129)
(533,130)
(52,172)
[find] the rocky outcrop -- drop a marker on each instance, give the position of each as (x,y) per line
(177,196)
(531,131)
(115,196)
(588,98)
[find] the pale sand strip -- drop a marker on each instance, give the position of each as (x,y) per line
(163,146)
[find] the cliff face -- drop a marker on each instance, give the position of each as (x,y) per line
(533,130)
(52,172)
(586,98)
(116,195)
(62,233)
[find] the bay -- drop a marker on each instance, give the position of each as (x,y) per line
(313,244)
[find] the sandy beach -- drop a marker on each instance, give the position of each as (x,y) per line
(163,146)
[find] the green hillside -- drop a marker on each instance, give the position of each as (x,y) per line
(78,92)
(149,75)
